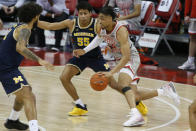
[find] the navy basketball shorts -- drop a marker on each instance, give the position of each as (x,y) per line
(12,81)
(96,64)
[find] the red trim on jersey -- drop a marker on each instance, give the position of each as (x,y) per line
(137,78)
(130,69)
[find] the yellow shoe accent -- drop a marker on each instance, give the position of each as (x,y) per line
(142,108)
(77,111)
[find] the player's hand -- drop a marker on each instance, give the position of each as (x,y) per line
(107,74)
(78,52)
(194,79)
(47,65)
(187,19)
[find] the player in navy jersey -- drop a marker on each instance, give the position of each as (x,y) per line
(83,30)
(12,51)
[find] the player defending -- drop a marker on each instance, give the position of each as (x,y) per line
(117,37)
(12,51)
(83,31)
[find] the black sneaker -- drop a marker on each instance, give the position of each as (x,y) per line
(11,124)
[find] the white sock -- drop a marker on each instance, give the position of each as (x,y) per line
(14,115)
(79,101)
(160,92)
(191,59)
(33,125)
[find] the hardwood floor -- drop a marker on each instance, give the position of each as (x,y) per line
(107,109)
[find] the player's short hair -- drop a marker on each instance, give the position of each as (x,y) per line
(85,6)
(29,11)
(109,11)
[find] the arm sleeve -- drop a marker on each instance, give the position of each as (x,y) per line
(94,43)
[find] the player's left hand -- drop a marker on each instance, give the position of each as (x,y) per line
(78,52)
(47,65)
(107,74)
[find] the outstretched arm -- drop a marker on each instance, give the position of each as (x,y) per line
(94,43)
(54,26)
(22,41)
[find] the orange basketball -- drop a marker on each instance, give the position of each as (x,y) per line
(99,81)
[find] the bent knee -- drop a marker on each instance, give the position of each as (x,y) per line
(27,92)
(65,77)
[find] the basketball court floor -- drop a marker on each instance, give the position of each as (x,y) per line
(107,109)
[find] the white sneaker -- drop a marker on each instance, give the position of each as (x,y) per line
(169,90)
(135,119)
(187,65)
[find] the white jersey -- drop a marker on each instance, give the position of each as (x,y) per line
(114,44)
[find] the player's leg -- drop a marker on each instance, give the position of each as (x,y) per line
(136,118)
(192,116)
(167,90)
(26,96)
(68,73)
(74,67)
(190,63)
(13,120)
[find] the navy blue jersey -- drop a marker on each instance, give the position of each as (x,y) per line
(9,58)
(82,36)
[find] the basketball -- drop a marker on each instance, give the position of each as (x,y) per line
(98,81)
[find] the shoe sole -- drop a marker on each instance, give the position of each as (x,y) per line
(78,115)
(136,124)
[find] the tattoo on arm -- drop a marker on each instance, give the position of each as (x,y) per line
(23,39)
(24,36)
(30,55)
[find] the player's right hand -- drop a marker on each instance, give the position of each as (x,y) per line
(47,65)
(78,52)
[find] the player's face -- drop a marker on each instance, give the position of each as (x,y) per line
(84,15)
(105,20)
